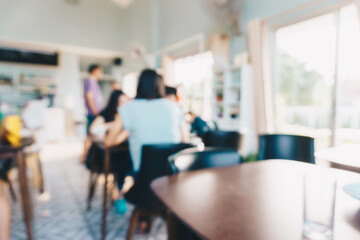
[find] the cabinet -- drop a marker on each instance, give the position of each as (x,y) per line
(227,97)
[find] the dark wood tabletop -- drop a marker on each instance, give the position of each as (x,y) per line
(254,201)
(6,148)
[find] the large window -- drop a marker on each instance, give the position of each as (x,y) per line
(193,75)
(317,80)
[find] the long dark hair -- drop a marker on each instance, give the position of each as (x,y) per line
(150,86)
(110,110)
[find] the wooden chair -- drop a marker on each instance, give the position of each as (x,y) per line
(101,162)
(96,164)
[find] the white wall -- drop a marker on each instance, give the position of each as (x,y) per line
(70,85)
(138,20)
(266,8)
(180,19)
(92,23)
(160,23)
(183,19)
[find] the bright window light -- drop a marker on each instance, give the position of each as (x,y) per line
(306,57)
(193,75)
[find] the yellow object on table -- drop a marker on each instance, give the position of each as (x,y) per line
(11,129)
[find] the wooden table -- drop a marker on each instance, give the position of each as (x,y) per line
(346,157)
(107,161)
(253,201)
(18,151)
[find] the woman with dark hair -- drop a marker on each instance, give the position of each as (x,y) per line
(148,119)
(105,119)
(121,164)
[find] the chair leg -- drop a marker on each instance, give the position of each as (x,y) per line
(92,187)
(41,175)
(12,191)
(177,230)
(112,199)
(6,179)
(133,221)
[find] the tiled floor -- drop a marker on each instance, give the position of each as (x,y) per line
(61,213)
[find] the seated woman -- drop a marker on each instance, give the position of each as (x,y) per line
(121,163)
(104,120)
(148,119)
(4,216)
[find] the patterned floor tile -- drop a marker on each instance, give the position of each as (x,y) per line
(64,215)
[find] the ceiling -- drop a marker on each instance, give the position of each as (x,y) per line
(123,3)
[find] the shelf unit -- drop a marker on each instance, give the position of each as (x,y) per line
(227,94)
(21,83)
(45,85)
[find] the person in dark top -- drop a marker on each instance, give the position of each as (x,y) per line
(198,125)
(93,101)
(104,120)
(121,164)
(171,93)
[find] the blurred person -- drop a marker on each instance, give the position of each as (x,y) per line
(93,94)
(120,160)
(115,85)
(171,93)
(33,114)
(5,216)
(198,126)
(148,119)
(93,100)
(104,120)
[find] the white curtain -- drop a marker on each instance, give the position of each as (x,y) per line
(262,84)
(167,65)
(357,3)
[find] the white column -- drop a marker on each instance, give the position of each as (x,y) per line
(70,85)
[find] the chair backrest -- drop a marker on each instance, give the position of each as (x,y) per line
(192,159)
(154,161)
(223,139)
(291,147)
(154,164)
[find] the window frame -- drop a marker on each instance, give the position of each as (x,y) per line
(274,27)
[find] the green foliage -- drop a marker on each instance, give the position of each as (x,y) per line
(299,86)
(252,157)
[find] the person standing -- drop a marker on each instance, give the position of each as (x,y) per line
(93,94)
(93,100)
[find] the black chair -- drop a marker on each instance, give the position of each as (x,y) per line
(119,157)
(291,147)
(190,160)
(223,139)
(154,164)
